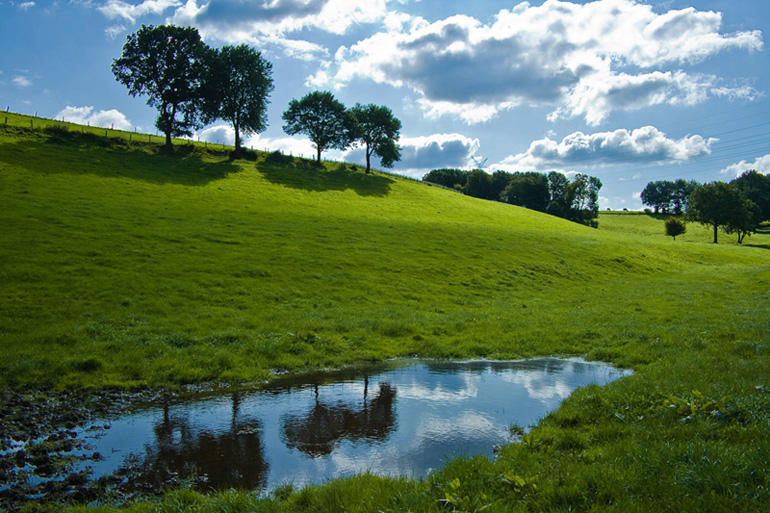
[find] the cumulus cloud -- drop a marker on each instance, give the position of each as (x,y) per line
(289,145)
(103,118)
(761,164)
(118,9)
(421,154)
(556,54)
(270,22)
(644,145)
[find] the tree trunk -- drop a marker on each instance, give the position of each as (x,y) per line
(318,155)
(715,233)
(170,126)
(368,158)
(237,139)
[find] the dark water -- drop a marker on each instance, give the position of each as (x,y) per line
(403,420)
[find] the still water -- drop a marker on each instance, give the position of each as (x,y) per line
(404,419)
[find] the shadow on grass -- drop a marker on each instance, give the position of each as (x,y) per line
(308,176)
(62,152)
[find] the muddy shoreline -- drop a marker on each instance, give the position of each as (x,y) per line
(39,444)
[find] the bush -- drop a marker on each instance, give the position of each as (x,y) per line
(674,226)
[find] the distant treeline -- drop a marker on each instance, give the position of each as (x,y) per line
(552,193)
(672,197)
(737,207)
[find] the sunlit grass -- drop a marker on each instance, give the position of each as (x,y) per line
(122,265)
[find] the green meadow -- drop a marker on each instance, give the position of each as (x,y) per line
(126,266)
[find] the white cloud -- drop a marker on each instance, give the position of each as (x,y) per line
(643,145)
(574,57)
(421,154)
(761,164)
(24,6)
(21,81)
(103,118)
(118,9)
(269,22)
(288,145)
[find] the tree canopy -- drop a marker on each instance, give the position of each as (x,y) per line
(665,196)
(169,65)
(529,190)
(378,129)
(323,119)
(237,89)
(755,187)
(717,204)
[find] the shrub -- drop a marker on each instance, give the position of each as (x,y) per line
(674,226)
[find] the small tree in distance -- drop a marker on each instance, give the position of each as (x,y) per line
(674,226)
(323,119)
(379,130)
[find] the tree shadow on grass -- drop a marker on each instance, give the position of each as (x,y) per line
(62,152)
(306,175)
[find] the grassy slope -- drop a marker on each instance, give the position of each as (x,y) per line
(124,267)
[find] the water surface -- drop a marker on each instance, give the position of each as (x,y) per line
(405,419)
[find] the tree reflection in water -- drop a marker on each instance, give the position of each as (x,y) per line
(218,460)
(317,432)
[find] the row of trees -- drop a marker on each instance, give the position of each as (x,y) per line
(723,205)
(192,84)
(554,193)
(327,123)
(737,207)
(668,197)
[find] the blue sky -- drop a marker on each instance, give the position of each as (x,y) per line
(629,91)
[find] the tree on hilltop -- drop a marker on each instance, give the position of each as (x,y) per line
(168,64)
(379,130)
(237,89)
(323,119)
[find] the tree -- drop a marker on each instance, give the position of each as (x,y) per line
(666,196)
(448,177)
(582,199)
(238,85)
(674,226)
(323,119)
(478,184)
(755,187)
(745,221)
(528,190)
(557,190)
(681,191)
(498,182)
(378,129)
(716,204)
(168,64)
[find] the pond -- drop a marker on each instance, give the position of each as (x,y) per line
(406,418)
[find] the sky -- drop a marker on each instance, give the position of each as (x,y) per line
(628,91)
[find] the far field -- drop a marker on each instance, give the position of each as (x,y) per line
(124,266)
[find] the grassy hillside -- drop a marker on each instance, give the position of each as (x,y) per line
(126,266)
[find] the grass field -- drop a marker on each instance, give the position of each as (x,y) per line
(122,265)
